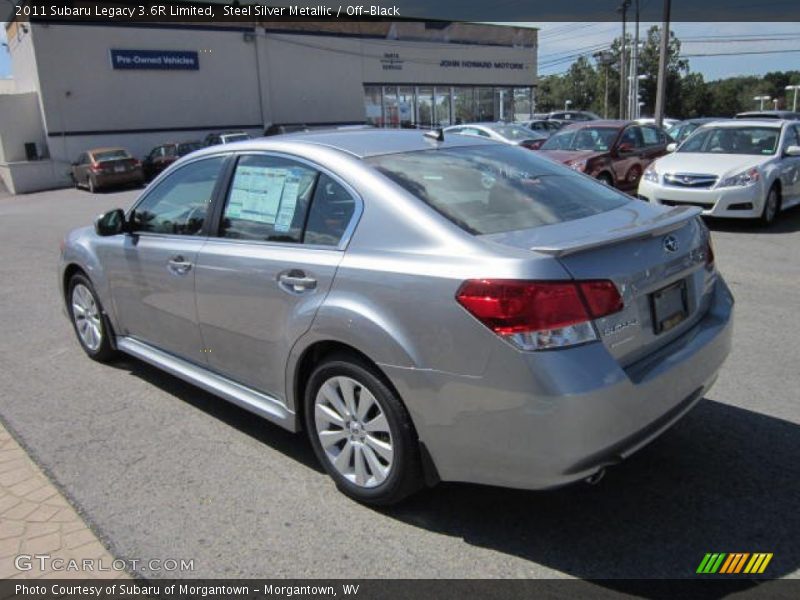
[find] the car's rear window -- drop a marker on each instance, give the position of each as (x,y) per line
(497,188)
(110,155)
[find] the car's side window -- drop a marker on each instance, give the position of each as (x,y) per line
(629,138)
(791,137)
(650,136)
(268,199)
(179,204)
(332,209)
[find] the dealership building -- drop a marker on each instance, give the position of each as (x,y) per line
(78,86)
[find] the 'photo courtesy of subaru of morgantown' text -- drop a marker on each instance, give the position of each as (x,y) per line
(399,300)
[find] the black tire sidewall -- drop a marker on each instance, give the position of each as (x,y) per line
(764,221)
(405,475)
(106,351)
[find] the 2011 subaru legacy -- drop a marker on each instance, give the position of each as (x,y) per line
(426,307)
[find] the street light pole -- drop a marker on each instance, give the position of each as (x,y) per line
(761,100)
(789,88)
(661,93)
(623,62)
(604,58)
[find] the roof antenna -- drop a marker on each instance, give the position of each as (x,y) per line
(435,134)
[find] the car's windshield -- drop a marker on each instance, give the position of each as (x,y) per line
(598,139)
(186,148)
(515,132)
(493,189)
(110,155)
(733,140)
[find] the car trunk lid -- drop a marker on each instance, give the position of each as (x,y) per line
(656,258)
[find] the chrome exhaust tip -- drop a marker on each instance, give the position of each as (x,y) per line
(596,478)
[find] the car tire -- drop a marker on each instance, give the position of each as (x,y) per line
(606,178)
(772,207)
(92,185)
(89,320)
(365,442)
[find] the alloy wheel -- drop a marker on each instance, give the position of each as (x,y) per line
(86,316)
(353,431)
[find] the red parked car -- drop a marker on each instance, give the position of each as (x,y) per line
(164,155)
(615,152)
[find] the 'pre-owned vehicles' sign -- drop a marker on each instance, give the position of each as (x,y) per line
(154,59)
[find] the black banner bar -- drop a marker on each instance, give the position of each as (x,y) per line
(275,11)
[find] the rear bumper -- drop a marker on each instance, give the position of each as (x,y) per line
(118,179)
(732,203)
(541,420)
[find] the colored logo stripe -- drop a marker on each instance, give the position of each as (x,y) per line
(723,563)
(711,563)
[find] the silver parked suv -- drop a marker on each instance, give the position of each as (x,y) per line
(426,307)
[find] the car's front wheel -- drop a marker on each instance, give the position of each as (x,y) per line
(361,432)
(88,320)
(772,206)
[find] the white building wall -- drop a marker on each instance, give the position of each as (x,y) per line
(81,92)
(21,123)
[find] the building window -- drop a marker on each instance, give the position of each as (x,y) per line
(373,105)
(391,114)
(427,106)
(523,106)
(442,102)
(405,107)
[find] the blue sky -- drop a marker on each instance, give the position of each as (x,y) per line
(557,40)
(560,40)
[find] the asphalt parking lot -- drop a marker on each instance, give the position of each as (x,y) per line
(161,469)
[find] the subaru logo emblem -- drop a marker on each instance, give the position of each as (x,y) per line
(671,243)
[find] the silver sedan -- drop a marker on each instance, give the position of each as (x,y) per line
(426,307)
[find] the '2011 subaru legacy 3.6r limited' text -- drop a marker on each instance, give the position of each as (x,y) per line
(426,307)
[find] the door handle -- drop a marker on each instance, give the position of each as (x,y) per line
(296,281)
(179,265)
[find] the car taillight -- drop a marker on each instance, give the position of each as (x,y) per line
(137,163)
(539,315)
(96,168)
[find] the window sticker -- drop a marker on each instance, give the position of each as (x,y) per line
(256,193)
(288,205)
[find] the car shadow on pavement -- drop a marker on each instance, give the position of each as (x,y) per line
(724,479)
(293,445)
(788,222)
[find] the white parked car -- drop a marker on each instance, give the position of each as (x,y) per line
(738,169)
(667,122)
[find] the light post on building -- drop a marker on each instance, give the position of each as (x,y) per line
(789,88)
(761,100)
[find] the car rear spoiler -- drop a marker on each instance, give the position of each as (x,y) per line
(669,221)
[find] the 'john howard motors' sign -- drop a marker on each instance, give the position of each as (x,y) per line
(154,59)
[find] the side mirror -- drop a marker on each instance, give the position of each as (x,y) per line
(672,147)
(625,148)
(110,223)
(792,151)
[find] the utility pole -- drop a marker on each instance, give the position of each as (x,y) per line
(623,61)
(661,94)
